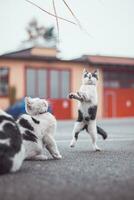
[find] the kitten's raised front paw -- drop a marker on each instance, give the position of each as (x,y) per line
(71,95)
(82,95)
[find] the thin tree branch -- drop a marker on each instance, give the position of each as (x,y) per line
(57,22)
(51,14)
(77,20)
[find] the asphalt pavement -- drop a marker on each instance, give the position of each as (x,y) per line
(82,174)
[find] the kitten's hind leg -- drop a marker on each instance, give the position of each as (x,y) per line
(78,127)
(91,129)
(51,146)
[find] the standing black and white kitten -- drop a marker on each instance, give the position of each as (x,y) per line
(37,128)
(87,109)
(12,151)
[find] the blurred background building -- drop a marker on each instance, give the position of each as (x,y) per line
(38,72)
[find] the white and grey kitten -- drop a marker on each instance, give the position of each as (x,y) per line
(12,151)
(87,109)
(37,128)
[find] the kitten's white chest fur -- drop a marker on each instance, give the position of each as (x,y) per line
(90,92)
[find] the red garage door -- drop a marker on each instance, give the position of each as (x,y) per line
(119,93)
(119,102)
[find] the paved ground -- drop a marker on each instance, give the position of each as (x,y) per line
(81,174)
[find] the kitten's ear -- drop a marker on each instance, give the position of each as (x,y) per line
(27,104)
(27,100)
(46,103)
(85,71)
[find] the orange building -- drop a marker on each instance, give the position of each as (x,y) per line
(38,72)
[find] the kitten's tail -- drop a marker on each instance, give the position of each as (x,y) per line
(5,164)
(102,132)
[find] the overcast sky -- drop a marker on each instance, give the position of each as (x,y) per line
(110,22)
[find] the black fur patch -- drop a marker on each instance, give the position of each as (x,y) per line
(92,112)
(76,135)
(101,132)
(86,75)
(5,164)
(3,135)
(29,136)
(87,119)
(35,120)
(12,132)
(8,151)
(80,116)
(25,124)
(3,118)
(85,127)
(95,75)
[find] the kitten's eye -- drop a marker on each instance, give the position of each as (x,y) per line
(95,75)
(85,75)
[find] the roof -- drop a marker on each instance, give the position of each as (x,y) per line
(26,54)
(108,60)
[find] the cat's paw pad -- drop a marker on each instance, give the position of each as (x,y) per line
(83,96)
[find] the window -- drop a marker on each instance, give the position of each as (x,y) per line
(42,83)
(54,84)
(50,83)
(111,84)
(59,83)
(116,79)
(31,82)
(4,73)
(65,79)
